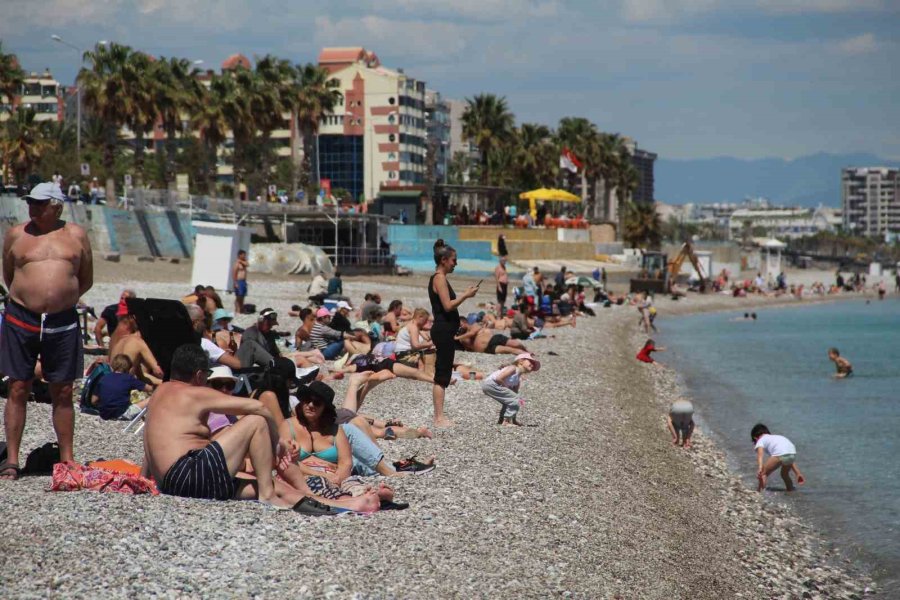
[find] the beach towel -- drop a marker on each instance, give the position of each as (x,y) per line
(71,477)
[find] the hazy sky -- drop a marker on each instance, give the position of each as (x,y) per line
(686,78)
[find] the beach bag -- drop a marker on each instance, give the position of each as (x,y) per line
(95,374)
(40,461)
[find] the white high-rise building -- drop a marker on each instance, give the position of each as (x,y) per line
(871,200)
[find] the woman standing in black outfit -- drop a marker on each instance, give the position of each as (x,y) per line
(444,304)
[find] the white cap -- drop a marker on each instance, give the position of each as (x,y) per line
(344,304)
(46,191)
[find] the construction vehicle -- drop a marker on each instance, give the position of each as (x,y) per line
(658,274)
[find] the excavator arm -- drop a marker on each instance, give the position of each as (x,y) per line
(686,252)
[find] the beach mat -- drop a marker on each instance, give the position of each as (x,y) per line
(165,325)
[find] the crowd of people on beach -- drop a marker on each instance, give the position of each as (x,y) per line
(232,412)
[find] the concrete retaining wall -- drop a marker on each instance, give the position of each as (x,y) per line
(111,230)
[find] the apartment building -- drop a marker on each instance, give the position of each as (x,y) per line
(40,93)
(437,124)
(871,200)
(376,138)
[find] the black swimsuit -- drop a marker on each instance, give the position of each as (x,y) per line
(446,324)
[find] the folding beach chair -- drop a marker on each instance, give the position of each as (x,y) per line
(139,417)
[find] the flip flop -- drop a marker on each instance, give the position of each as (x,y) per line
(314,508)
(389,505)
(10,468)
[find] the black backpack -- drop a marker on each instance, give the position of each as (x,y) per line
(40,461)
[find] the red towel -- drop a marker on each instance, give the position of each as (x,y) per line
(70,477)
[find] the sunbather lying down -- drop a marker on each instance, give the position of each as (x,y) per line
(475,338)
(381,370)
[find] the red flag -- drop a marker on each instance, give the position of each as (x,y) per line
(568,160)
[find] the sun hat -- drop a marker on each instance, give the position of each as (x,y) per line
(316,389)
(535,363)
(322,312)
(221,313)
(344,304)
(221,372)
(45,191)
(285,367)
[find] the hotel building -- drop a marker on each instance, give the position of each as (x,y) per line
(871,200)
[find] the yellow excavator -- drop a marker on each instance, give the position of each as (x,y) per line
(658,273)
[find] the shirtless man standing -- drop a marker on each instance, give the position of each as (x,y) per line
(181,456)
(47,266)
(239,276)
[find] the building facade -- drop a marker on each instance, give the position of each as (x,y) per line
(643,162)
(376,138)
(784,223)
(437,124)
(40,93)
(871,200)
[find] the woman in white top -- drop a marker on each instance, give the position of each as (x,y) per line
(412,338)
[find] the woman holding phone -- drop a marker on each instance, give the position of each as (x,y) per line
(444,307)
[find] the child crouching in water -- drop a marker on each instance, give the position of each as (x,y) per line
(782,453)
(503,386)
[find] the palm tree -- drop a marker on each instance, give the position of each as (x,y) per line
(12,77)
(104,92)
(279,88)
(232,94)
(140,120)
(176,93)
(318,95)
(208,119)
(642,225)
(575,134)
(537,158)
(612,147)
(627,179)
(488,124)
(22,145)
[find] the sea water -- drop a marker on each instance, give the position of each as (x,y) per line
(775,370)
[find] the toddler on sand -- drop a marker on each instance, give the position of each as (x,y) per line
(782,453)
(503,386)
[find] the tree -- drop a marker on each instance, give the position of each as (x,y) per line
(318,95)
(22,145)
(208,119)
(278,88)
(642,226)
(177,92)
(537,157)
(143,112)
(105,86)
(487,123)
(12,77)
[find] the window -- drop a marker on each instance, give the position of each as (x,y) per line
(391,119)
(392,174)
(392,100)
(392,138)
(341,160)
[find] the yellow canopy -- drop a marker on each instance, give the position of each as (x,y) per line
(549,194)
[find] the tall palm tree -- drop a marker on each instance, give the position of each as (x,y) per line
(11,76)
(279,88)
(176,94)
(232,91)
(612,149)
(487,123)
(142,117)
(627,179)
(208,119)
(642,226)
(22,145)
(318,95)
(104,87)
(537,158)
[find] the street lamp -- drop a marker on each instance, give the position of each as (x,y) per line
(58,39)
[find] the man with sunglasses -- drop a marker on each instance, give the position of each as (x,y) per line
(47,266)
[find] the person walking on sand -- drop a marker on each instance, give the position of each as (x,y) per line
(239,277)
(843,366)
(47,267)
(782,454)
(444,307)
(502,277)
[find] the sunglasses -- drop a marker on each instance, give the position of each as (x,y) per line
(35,202)
(313,400)
(222,384)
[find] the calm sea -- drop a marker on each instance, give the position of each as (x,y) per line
(847,432)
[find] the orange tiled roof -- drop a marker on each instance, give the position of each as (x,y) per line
(236,60)
(348,55)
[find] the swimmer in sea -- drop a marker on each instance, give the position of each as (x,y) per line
(843,366)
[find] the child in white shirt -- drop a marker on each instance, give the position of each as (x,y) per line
(503,386)
(782,454)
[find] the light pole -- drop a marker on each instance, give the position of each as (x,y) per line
(58,39)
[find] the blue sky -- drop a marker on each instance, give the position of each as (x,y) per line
(686,78)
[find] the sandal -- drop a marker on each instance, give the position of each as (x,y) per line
(314,508)
(10,468)
(390,434)
(393,423)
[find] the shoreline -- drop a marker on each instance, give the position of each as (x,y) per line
(595,502)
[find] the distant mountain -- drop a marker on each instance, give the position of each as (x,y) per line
(805,181)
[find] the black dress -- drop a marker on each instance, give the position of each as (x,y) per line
(446,324)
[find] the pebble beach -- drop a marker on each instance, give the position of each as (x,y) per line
(591,502)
